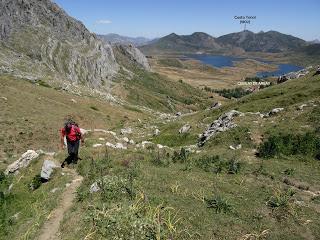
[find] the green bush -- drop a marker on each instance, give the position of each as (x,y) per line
(229,93)
(233,166)
(219,204)
(180,156)
(208,163)
(36,182)
(307,144)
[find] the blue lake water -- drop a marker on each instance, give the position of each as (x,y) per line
(228,61)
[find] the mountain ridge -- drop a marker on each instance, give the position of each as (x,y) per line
(270,41)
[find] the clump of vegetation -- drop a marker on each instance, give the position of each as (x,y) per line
(36,182)
(161,158)
(216,165)
(233,166)
(289,171)
(137,220)
(281,203)
(219,204)
(306,144)
(180,156)
(229,93)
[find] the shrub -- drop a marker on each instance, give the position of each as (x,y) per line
(36,182)
(281,203)
(307,144)
(219,204)
(180,156)
(208,163)
(233,166)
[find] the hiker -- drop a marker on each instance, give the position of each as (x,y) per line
(73,136)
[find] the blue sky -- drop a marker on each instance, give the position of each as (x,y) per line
(154,18)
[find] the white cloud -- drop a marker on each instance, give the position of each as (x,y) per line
(103,21)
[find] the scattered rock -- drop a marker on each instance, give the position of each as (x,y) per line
(4,98)
(131,142)
(237,147)
(125,139)
(54,190)
(125,131)
(74,101)
(84,131)
(116,146)
(97,145)
(156,132)
(22,162)
(185,129)
(101,139)
(178,114)
(223,123)
(94,187)
(215,105)
(275,111)
(302,106)
(160,146)
(47,169)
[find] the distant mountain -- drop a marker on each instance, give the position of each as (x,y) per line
(316,41)
(116,38)
(196,42)
(270,41)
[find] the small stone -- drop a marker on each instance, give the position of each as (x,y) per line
(156,132)
(97,145)
(185,129)
(94,187)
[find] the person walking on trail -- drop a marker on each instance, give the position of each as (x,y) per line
(73,136)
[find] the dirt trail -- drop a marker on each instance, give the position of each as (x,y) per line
(50,229)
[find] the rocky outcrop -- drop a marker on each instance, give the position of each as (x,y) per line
(222,124)
(22,162)
(40,39)
(134,54)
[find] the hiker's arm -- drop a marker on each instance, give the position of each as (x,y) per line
(81,138)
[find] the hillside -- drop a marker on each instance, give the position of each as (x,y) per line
(118,39)
(270,41)
(161,159)
(195,42)
(146,181)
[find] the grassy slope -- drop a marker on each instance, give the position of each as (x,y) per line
(180,186)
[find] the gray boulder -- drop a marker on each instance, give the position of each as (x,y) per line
(185,128)
(22,162)
(47,169)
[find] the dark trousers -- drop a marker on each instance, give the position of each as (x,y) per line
(73,149)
